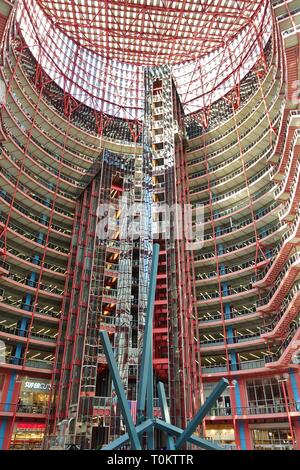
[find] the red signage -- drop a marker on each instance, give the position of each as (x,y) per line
(101,412)
(39,426)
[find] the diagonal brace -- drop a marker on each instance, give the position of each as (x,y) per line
(175,431)
(140,429)
(165,412)
(146,355)
(112,364)
(204,409)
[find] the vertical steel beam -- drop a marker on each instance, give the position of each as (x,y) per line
(150,432)
(146,355)
(203,410)
(122,440)
(165,412)
(113,368)
(175,431)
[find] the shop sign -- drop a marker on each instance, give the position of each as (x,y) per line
(101,412)
(39,426)
(37,386)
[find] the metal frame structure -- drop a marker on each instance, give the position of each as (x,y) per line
(234,149)
(146,423)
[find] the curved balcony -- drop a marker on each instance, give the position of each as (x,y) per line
(15,306)
(288,311)
(236,229)
(227,272)
(241,368)
(281,253)
(232,163)
(88,142)
(240,246)
(45,140)
(285,136)
(31,198)
(10,162)
(14,334)
(287,176)
(289,209)
(241,143)
(23,91)
(242,341)
(258,179)
(235,176)
(214,319)
(13,279)
(28,365)
(234,293)
(27,144)
(16,256)
(281,286)
(258,137)
(33,220)
(250,148)
(262,195)
(30,239)
(83,122)
(244,128)
(223,117)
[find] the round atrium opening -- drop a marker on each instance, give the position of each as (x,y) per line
(97,51)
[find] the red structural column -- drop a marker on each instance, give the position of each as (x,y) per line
(244,403)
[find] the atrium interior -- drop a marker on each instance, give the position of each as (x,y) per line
(126,123)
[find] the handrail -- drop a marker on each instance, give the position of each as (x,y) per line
(35,284)
(16,228)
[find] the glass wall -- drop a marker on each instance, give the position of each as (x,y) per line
(265,395)
(27,436)
(272,439)
(34,395)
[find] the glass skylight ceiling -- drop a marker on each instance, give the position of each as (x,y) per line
(97,50)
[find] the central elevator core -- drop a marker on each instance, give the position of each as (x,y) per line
(176,360)
(132,201)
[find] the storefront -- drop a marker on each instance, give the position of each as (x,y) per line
(271,437)
(28,436)
(34,396)
(222,433)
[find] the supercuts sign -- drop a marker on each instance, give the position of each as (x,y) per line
(37,386)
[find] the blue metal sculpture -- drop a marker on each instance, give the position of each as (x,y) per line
(146,423)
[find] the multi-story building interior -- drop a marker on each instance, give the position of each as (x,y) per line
(109,105)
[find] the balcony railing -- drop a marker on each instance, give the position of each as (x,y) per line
(35,284)
(19,207)
(25,333)
(19,303)
(23,408)
(34,363)
(256,409)
(16,228)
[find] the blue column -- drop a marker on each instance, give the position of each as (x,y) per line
(220,249)
(8,401)
(230,339)
(44,219)
(262,233)
(22,329)
(296,394)
(229,329)
(240,425)
(40,238)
